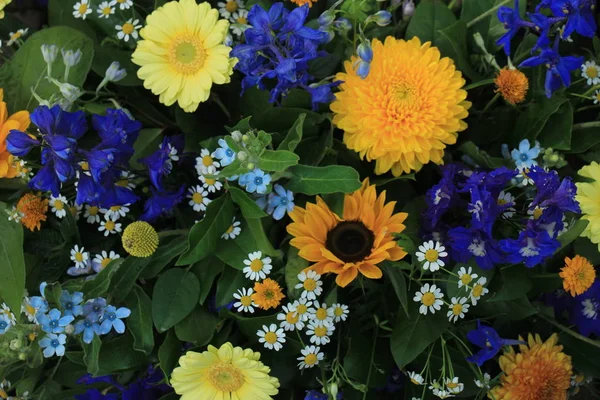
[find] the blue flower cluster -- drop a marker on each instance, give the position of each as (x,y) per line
(96,170)
(479,199)
(278,46)
(573,16)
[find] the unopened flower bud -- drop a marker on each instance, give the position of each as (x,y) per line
(408,9)
(242,155)
(382,18)
(333,389)
(250,166)
(114,73)
(365,52)
(71,58)
(15,344)
(69,329)
(343,24)
(22,356)
(49,52)
(237,136)
(70,92)
(363,69)
(327,18)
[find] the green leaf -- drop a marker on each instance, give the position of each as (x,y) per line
(532,121)
(248,207)
(585,248)
(480,156)
(277,160)
(490,27)
(557,132)
(249,326)
(585,136)
(101,283)
(294,135)
(452,43)
(514,284)
(118,355)
(430,17)
(242,126)
(295,264)
(204,235)
(124,278)
(513,310)
(394,273)
(280,119)
(168,353)
(255,226)
(412,335)
(197,328)
(573,232)
(12,262)
(175,295)
(139,322)
(163,257)
(207,271)
(146,143)
(585,357)
(230,281)
(321,180)
(27,70)
(91,353)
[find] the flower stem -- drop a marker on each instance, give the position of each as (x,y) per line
(569,331)
(586,125)
(371,362)
(173,232)
(486,14)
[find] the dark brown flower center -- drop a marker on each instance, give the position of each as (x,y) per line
(350,241)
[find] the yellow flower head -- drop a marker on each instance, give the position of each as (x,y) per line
(3,4)
(352,244)
(19,121)
(578,275)
(512,84)
(267,294)
(540,371)
(588,196)
(182,53)
(406,111)
(34,209)
(140,239)
(225,373)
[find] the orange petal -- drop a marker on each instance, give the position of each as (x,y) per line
(311,252)
(347,276)
(370,271)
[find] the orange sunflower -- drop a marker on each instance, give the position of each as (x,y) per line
(19,121)
(352,244)
(406,111)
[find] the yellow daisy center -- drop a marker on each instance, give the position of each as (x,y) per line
(110,225)
(537,213)
(106,11)
(591,72)
(301,309)
(256,265)
(456,310)
(225,377)
(105,261)
(197,198)
(466,279)
(242,20)
(477,290)
(428,299)
(83,8)
(501,202)
(93,210)
(210,181)
(414,381)
(452,385)
(85,166)
(229,230)
(292,317)
(310,284)
(115,208)
(321,314)
(128,28)
(59,205)
(187,55)
(598,97)
(231,6)
(320,331)
(310,359)
(431,255)
(207,161)
(338,312)
(246,301)
(78,257)
(271,338)
(121,1)
(122,182)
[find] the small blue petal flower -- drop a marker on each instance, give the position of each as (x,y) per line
(53,344)
(382,18)
(257,181)
(71,303)
(89,328)
(224,153)
(280,202)
(525,155)
(490,342)
(5,323)
(93,309)
(531,248)
(112,319)
(54,322)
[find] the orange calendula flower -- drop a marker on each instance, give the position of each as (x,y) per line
(18,121)
(406,111)
(578,275)
(267,294)
(352,244)
(33,209)
(512,84)
(540,371)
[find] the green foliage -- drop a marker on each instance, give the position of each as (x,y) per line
(321,180)
(248,207)
(175,294)
(197,328)
(12,262)
(139,322)
(430,17)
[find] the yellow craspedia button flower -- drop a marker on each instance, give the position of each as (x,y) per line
(406,111)
(140,239)
(182,53)
(225,373)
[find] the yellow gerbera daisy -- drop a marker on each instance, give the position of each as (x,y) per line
(406,111)
(540,371)
(182,53)
(588,196)
(352,244)
(578,275)
(225,373)
(19,121)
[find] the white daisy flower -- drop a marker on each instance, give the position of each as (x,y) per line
(198,198)
(505,198)
(340,312)
(210,184)
(79,256)
(535,212)
(522,178)
(205,161)
(478,290)
(320,314)
(75,210)
(172,152)
(126,180)
(458,308)
(239,22)
(102,259)
(454,386)
(301,307)
(230,7)
(29,310)
(591,72)
(319,334)
(416,378)
(441,393)
(311,355)
(290,319)
(105,10)
(14,214)
(109,226)
(311,284)
(115,212)
(430,297)
(128,29)
(272,337)
(486,381)
(432,253)
(244,300)
(597,97)
(465,276)
(6,311)
(23,171)
(123,4)
(14,36)
(92,214)
(82,9)
(257,268)
(233,231)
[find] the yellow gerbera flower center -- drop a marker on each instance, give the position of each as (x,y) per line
(310,359)
(477,290)
(320,331)
(428,299)
(256,265)
(591,72)
(83,8)
(310,284)
(109,225)
(301,309)
(225,377)
(79,257)
(231,6)
(431,255)
(466,279)
(271,338)
(246,301)
(197,198)
(140,239)
(187,54)
(59,205)
(321,314)
(578,275)
(292,317)
(456,310)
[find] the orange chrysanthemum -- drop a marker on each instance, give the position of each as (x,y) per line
(300,3)
(267,294)
(352,244)
(512,84)
(19,121)
(33,209)
(540,371)
(408,108)
(578,275)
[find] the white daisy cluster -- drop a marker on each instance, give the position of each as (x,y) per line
(105,10)
(236,13)
(590,71)
(84,264)
(473,284)
(448,387)
(207,168)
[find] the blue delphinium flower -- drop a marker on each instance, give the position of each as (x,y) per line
(19,143)
(585,310)
(512,23)
(54,321)
(53,344)
(525,155)
(5,323)
(71,303)
(490,342)
(112,319)
(280,201)
(160,163)
(470,243)
(224,153)
(89,328)
(118,131)
(161,203)
(93,309)
(532,247)
(579,14)
(553,192)
(256,181)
